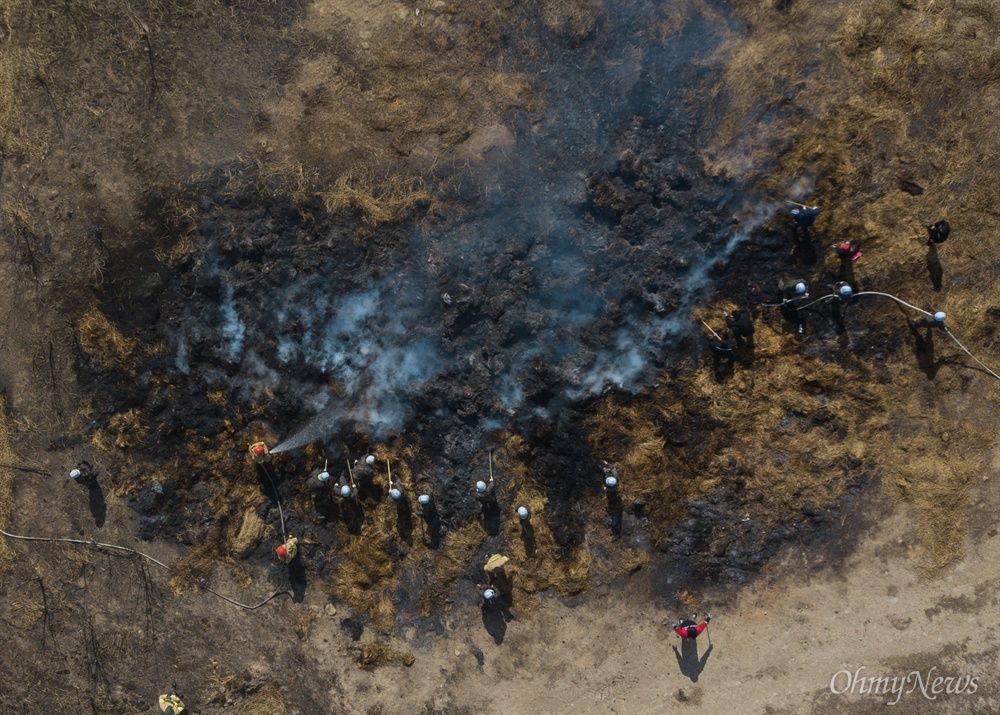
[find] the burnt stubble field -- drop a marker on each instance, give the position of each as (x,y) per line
(483,241)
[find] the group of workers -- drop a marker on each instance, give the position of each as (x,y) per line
(737,338)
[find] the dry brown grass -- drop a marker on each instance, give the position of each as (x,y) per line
(572,19)
(379,200)
(122,431)
(365,579)
(7,456)
(104,343)
(854,98)
(246,537)
(266,701)
(378,653)
(447,564)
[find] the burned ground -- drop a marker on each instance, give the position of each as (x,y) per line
(453,238)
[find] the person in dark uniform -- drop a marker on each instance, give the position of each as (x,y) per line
(938,232)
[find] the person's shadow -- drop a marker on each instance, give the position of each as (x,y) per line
(433,521)
(404,520)
(616,512)
(495,618)
(528,538)
(934,269)
(98,506)
(297,579)
(353,514)
(803,251)
(924,348)
(490,514)
(687,658)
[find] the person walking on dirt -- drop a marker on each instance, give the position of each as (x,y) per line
(171,704)
(288,550)
(938,232)
(83,473)
(689,628)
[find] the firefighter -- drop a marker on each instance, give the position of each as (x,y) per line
(83,473)
(288,550)
(259,453)
(171,704)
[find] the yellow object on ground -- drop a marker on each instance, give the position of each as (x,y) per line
(495,562)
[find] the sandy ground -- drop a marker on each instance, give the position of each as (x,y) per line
(775,646)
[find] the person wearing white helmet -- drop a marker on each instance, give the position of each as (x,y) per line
(396,492)
(319,482)
(843,290)
(83,473)
(347,491)
(610,477)
(793,289)
(934,321)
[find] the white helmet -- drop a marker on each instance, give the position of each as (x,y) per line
(940,316)
(345,490)
(395,493)
(370,459)
(801,287)
(75,474)
(611,482)
(481,487)
(489,593)
(323,477)
(424,499)
(845,290)
(523,513)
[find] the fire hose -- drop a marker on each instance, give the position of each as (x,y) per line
(98,545)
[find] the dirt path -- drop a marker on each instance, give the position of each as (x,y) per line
(774,648)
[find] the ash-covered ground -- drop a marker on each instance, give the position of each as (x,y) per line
(558,268)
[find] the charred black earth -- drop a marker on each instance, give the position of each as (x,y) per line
(559,269)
